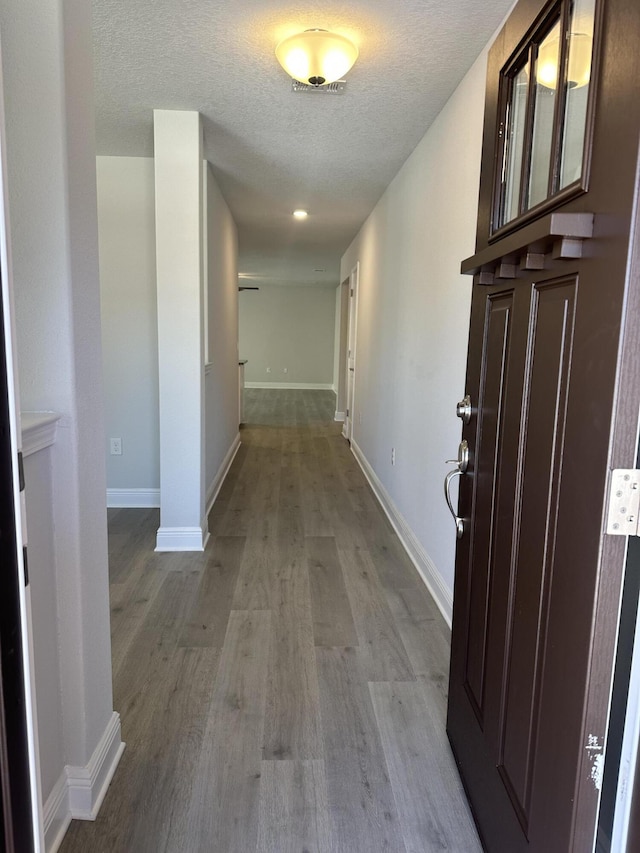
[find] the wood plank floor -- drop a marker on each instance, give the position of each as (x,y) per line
(285,691)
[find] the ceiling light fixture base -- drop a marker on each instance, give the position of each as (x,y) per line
(336,88)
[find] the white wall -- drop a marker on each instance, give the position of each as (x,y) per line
(221,375)
(288,327)
(48,89)
(413,323)
(126,216)
(126,222)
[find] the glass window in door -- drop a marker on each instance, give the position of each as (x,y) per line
(544,118)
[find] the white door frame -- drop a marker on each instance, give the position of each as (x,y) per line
(37,820)
(350,382)
(629,753)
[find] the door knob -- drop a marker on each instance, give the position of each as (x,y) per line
(461,463)
(463,409)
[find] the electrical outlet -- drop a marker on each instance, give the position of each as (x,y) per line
(285,370)
(116,446)
(393,456)
(268,370)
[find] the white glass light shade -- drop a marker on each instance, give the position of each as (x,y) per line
(580,48)
(316,57)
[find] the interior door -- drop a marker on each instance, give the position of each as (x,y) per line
(554,407)
(351,352)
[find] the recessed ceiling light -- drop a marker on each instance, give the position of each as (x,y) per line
(300,214)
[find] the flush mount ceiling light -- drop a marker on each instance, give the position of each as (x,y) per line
(316,57)
(300,214)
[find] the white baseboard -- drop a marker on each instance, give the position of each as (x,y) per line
(57,816)
(196,538)
(88,785)
(181,538)
(291,386)
(119,498)
(223,470)
(339,417)
(434,581)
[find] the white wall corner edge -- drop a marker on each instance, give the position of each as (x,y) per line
(132,498)
(88,785)
(181,538)
(339,417)
(292,386)
(427,569)
(57,816)
(214,489)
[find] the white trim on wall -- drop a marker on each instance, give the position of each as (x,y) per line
(339,417)
(419,557)
(131,498)
(88,785)
(181,539)
(223,470)
(293,386)
(38,431)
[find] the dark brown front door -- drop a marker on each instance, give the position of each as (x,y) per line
(554,392)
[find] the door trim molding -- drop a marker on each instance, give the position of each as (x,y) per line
(427,569)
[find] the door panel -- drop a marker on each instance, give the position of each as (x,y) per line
(492,394)
(551,327)
(537,583)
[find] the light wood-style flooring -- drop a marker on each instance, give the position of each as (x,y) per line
(284,691)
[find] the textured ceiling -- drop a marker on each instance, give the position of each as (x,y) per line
(273,150)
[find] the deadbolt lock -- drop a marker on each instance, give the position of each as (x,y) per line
(463,410)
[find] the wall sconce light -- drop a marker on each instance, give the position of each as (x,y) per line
(316,57)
